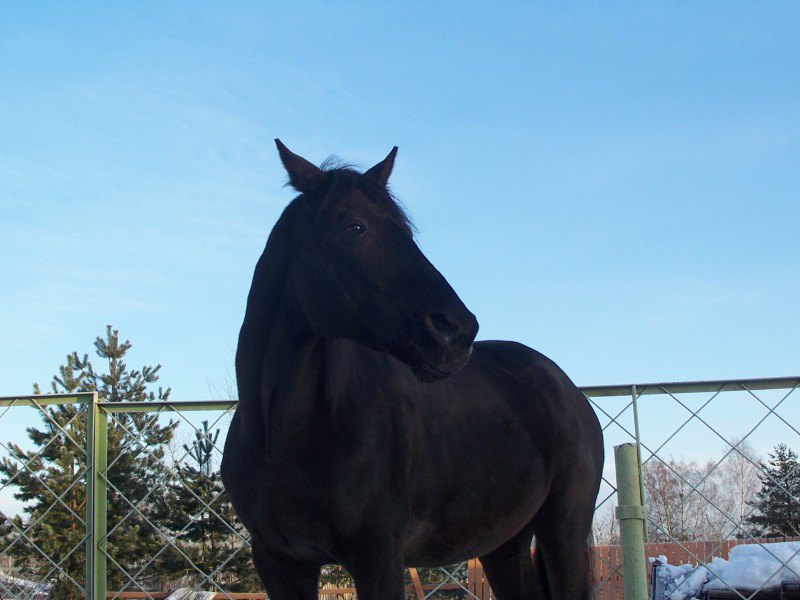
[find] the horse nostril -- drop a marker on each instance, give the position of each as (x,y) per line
(442,328)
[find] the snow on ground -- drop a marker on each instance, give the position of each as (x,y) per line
(188,594)
(8,582)
(749,567)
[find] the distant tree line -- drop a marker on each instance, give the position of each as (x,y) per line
(740,497)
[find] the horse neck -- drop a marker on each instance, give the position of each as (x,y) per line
(268,357)
(291,379)
(277,352)
(308,382)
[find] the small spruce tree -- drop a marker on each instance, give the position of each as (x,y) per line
(199,515)
(778,500)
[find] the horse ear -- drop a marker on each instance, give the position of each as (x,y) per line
(303,175)
(380,172)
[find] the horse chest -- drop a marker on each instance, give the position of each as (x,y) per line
(307,504)
(281,509)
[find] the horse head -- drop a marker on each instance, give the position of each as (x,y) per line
(357,272)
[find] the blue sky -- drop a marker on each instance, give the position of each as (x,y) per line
(614,185)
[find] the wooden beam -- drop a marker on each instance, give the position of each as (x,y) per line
(417,584)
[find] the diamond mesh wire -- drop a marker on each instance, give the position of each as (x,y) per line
(694,440)
(43,469)
(191,536)
(615,414)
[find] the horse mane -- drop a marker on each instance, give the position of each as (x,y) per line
(263,304)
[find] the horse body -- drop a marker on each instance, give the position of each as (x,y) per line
(339,452)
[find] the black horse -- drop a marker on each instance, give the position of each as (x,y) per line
(372,433)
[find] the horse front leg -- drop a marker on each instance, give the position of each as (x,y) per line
(377,569)
(285,578)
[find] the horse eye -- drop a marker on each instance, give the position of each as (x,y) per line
(355,229)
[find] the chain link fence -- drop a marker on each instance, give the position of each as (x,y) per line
(95,503)
(109,502)
(705,476)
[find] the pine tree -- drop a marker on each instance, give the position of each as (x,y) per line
(197,511)
(778,500)
(56,467)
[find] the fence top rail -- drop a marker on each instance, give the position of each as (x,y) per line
(42,399)
(597,391)
(684,387)
(169,406)
(116,407)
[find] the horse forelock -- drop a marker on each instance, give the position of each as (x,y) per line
(341,179)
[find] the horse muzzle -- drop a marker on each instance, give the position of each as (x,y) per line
(447,344)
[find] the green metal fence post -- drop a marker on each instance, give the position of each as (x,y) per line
(96,499)
(635,404)
(631,515)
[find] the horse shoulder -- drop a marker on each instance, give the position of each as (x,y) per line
(526,368)
(541,390)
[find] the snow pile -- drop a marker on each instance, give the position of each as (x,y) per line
(749,567)
(668,577)
(188,594)
(752,566)
(36,589)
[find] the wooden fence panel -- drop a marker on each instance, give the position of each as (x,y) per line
(607,572)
